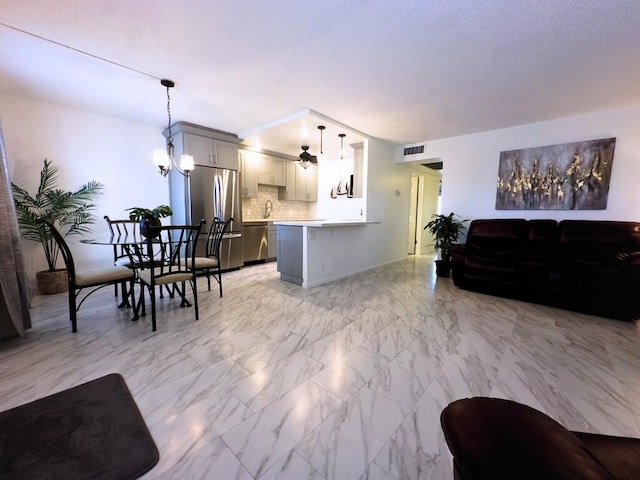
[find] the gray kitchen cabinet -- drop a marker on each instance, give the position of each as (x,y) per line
(200,148)
(225,155)
(301,184)
(279,172)
(272,241)
(290,190)
(271,171)
(209,152)
(209,147)
(290,259)
(307,184)
(249,175)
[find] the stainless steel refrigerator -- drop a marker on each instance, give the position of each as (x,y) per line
(208,193)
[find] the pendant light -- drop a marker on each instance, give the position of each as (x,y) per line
(321,156)
(165,159)
(342,135)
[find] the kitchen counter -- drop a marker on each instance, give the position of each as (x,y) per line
(276,219)
(323,223)
(312,252)
(260,238)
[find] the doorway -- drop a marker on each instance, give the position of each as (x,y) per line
(424,203)
(412,243)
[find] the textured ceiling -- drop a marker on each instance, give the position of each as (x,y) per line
(405,71)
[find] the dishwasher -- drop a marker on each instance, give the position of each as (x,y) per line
(254,242)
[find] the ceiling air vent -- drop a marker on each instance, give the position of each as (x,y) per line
(433,165)
(414,150)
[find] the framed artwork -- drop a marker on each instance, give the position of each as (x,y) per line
(569,176)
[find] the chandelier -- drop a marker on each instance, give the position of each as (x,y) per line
(164,159)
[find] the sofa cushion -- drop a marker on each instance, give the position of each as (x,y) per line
(597,240)
(542,236)
(497,237)
(538,258)
(492,438)
(492,248)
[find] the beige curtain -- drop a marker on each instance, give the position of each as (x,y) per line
(14,290)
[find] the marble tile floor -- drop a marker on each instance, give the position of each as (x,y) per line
(341,381)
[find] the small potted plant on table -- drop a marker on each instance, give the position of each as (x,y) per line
(445,229)
(149,217)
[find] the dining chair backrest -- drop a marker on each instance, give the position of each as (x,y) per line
(122,227)
(53,233)
(171,248)
(217,229)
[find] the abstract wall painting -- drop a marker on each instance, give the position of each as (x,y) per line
(570,176)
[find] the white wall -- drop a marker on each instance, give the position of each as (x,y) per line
(388,193)
(85,146)
(471,164)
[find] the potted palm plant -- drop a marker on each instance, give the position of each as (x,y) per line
(149,216)
(69,212)
(445,229)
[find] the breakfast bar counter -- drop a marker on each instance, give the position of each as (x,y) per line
(324,223)
(313,252)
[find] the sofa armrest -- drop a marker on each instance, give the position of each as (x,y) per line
(458,251)
(492,438)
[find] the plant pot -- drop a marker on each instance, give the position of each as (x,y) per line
(443,268)
(147,225)
(51,282)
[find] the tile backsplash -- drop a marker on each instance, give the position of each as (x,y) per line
(253,208)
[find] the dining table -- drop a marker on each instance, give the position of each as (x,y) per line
(133,244)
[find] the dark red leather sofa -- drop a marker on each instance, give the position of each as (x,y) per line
(496,439)
(582,265)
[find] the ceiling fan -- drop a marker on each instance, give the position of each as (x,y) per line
(306,158)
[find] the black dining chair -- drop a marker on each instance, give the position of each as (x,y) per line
(131,255)
(122,257)
(172,248)
(82,279)
(211,265)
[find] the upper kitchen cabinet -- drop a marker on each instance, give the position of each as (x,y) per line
(209,152)
(290,191)
(209,147)
(302,185)
(307,184)
(249,162)
(272,171)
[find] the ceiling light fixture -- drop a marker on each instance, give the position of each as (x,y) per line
(306,159)
(342,135)
(321,128)
(165,159)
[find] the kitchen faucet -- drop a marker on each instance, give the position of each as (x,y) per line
(268,208)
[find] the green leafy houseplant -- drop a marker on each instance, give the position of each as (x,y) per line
(445,229)
(150,217)
(139,213)
(69,212)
